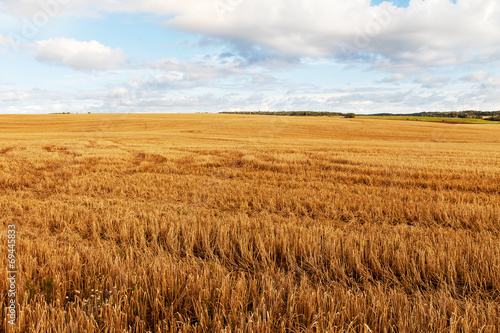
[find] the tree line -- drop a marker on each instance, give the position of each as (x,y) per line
(294,113)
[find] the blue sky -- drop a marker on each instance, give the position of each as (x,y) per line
(216,55)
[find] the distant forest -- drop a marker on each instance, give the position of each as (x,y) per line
(488,115)
(491,115)
(289,113)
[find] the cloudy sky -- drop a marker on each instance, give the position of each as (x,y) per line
(213,55)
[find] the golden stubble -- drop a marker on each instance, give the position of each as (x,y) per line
(209,223)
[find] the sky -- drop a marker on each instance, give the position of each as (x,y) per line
(153,56)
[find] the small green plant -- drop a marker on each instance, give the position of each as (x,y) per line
(48,289)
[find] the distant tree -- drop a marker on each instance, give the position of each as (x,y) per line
(350,115)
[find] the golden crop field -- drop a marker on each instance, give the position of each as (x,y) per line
(234,223)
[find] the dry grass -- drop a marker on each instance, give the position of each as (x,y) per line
(208,223)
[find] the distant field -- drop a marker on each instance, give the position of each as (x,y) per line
(210,223)
(437,119)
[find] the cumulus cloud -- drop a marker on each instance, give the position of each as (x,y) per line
(477,76)
(483,77)
(426,33)
(120,96)
(492,82)
(119,92)
(431,81)
(17,94)
(12,96)
(173,73)
(393,78)
(37,9)
(79,54)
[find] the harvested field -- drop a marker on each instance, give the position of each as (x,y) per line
(210,223)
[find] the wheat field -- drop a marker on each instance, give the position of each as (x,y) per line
(234,223)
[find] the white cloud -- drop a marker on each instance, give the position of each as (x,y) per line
(492,82)
(13,96)
(79,54)
(30,9)
(119,92)
(427,33)
(431,81)
(173,73)
(120,96)
(393,78)
(477,76)
(483,77)
(16,94)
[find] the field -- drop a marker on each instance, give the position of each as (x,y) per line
(435,119)
(210,223)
